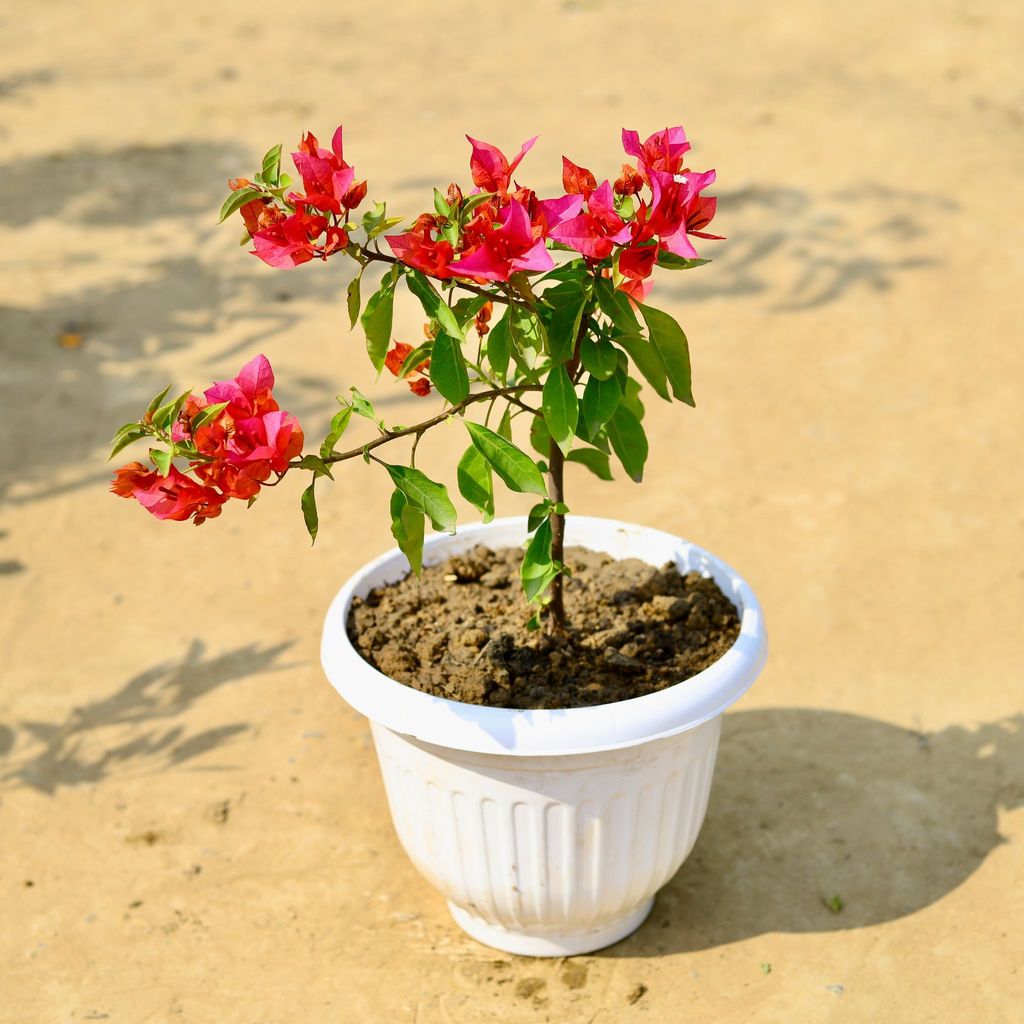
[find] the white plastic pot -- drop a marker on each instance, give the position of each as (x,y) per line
(549,832)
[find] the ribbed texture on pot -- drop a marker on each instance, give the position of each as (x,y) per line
(564,847)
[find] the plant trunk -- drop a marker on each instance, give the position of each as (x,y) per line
(556,491)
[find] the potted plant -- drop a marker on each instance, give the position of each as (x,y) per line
(546,758)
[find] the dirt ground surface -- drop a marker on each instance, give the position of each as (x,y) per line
(192,825)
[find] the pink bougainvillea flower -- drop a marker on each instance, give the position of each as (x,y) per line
(595,233)
(637,261)
(329,181)
(662,151)
(175,496)
(502,250)
(289,242)
(248,393)
(491,171)
(577,180)
(259,213)
(676,205)
(418,248)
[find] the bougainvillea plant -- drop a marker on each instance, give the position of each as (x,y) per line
(533,307)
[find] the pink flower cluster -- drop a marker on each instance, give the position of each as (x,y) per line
(331,191)
(509,232)
(235,450)
(663,221)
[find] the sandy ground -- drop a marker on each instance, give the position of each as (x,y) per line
(192,826)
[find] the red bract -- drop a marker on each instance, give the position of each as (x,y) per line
(596,232)
(629,182)
(259,213)
(329,182)
(396,358)
(491,170)
(662,151)
(175,496)
(289,242)
(502,250)
(418,248)
(577,180)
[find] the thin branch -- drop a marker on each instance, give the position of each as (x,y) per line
(419,428)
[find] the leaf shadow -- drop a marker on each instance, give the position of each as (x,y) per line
(133,727)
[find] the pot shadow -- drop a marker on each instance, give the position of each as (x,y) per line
(808,805)
(122,731)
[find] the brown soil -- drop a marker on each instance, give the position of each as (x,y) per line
(460,631)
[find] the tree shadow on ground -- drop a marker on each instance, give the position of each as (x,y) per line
(123,731)
(801,251)
(808,805)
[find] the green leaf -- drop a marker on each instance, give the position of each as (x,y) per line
(417,356)
(407,527)
(376,320)
(339,424)
(600,357)
(631,397)
(167,414)
(563,306)
(505,424)
(162,459)
(316,465)
(475,482)
(362,406)
(425,495)
(352,299)
(433,305)
(466,309)
(448,368)
(470,203)
(674,262)
(539,437)
(616,306)
(669,341)
(309,516)
(574,270)
(156,403)
(272,165)
(237,200)
(209,413)
(498,348)
(538,569)
(515,468)
(538,514)
(646,360)
(376,221)
(527,332)
(127,435)
(629,442)
(600,400)
(597,462)
(440,205)
(560,407)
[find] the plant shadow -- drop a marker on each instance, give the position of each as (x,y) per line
(123,731)
(802,251)
(808,805)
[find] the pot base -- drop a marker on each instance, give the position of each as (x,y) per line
(571,944)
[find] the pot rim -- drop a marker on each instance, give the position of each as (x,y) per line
(548,732)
